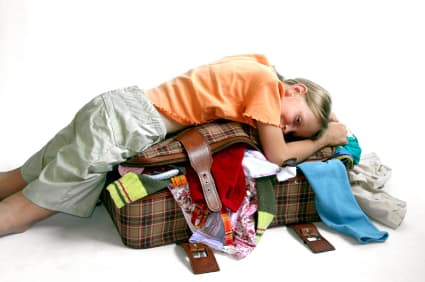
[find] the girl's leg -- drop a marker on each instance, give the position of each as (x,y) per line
(17,214)
(11,182)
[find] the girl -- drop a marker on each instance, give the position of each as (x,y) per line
(68,173)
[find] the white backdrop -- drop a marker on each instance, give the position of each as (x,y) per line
(55,55)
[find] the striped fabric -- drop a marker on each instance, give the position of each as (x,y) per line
(157,219)
(127,189)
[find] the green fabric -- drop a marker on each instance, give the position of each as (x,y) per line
(153,185)
(263,221)
(266,204)
(132,187)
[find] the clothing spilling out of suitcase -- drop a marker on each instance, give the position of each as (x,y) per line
(220,194)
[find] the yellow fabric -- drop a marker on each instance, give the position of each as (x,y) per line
(263,221)
(127,189)
(119,203)
(243,88)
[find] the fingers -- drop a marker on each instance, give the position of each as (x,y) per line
(337,133)
(333,118)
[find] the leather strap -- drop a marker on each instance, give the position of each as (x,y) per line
(312,238)
(200,158)
(201,257)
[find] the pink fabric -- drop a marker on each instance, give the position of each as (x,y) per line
(243,223)
(126,169)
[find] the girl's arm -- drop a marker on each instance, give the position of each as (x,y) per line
(277,150)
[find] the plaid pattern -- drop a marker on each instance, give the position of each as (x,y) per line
(154,221)
(157,219)
(218,135)
(294,202)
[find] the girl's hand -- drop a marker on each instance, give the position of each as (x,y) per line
(335,134)
(333,117)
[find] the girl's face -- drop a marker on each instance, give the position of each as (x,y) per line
(296,117)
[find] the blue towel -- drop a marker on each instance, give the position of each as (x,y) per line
(335,202)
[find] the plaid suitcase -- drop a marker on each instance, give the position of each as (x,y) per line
(157,219)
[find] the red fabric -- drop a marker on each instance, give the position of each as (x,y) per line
(228,176)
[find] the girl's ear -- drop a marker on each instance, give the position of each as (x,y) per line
(295,89)
(301,88)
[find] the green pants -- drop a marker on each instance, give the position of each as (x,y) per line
(68,173)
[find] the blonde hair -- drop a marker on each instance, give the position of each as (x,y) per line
(318,100)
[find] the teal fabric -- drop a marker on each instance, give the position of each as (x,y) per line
(336,204)
(353,147)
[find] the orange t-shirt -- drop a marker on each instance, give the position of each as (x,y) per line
(241,88)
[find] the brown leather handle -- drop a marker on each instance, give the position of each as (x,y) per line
(200,158)
(201,258)
(311,236)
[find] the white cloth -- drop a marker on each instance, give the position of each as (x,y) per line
(286,172)
(367,181)
(256,165)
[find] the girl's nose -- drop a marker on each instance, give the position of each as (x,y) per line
(287,128)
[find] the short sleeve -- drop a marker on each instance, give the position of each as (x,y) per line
(264,104)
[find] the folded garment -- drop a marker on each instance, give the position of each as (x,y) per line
(335,202)
(132,187)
